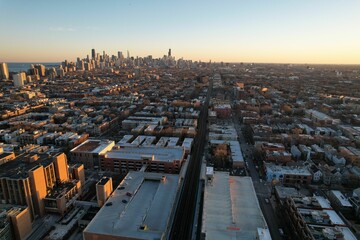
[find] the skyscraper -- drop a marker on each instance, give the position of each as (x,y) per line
(128,54)
(120,55)
(19,79)
(93,53)
(41,69)
(169,53)
(4,71)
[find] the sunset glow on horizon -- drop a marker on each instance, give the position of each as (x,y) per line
(323,32)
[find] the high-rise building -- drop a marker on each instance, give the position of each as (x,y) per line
(38,188)
(87,66)
(128,54)
(4,71)
(39,181)
(93,53)
(169,53)
(60,71)
(80,65)
(120,55)
(33,71)
(41,69)
(19,79)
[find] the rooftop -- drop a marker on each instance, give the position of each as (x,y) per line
(93,146)
(187,143)
(61,189)
(20,166)
(342,199)
(318,114)
(287,169)
(103,181)
(235,149)
(324,232)
(5,154)
(164,154)
(264,234)
(231,208)
(284,192)
(316,202)
(144,214)
(321,217)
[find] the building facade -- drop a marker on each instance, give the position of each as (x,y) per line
(104,189)
(29,179)
(156,159)
(4,71)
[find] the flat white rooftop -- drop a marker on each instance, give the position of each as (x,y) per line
(343,200)
(264,234)
(231,208)
(270,167)
(164,154)
(187,143)
(209,171)
(93,146)
(324,203)
(143,215)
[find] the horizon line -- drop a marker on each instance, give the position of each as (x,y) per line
(240,62)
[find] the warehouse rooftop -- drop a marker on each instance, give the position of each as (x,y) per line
(231,208)
(140,208)
(163,154)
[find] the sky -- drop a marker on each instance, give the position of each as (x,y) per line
(267,31)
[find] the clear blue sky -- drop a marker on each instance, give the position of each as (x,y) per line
(309,31)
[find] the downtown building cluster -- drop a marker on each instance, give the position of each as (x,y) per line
(74,115)
(100,148)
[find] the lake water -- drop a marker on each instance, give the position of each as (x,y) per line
(17,67)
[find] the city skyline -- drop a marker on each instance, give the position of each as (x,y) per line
(233,31)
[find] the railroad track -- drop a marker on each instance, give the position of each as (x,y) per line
(182,227)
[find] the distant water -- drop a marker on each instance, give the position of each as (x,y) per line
(17,67)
